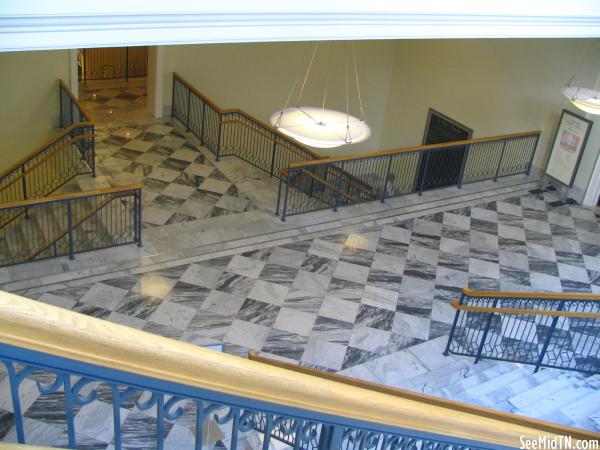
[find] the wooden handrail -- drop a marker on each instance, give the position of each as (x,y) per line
(417,148)
(82,194)
(545,295)
(85,114)
(429,399)
(531,312)
(40,327)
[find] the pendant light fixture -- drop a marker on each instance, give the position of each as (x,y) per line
(587,100)
(319,126)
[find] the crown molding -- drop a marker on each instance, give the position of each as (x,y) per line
(22,29)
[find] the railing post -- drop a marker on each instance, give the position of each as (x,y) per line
(385,180)
(93,156)
(70,223)
(500,161)
(463,166)
(218,151)
(16,401)
(202,130)
(285,198)
(189,103)
(537,138)
(460,302)
(126,63)
(273,156)
(138,217)
(173,97)
(538,364)
(339,186)
(424,173)
(60,106)
(71,108)
(488,323)
(331,437)
(24,185)
(279,195)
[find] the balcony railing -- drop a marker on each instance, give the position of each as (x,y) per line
(84,358)
(561,331)
(315,185)
(68,224)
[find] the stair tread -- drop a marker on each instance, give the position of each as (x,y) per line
(583,408)
(539,392)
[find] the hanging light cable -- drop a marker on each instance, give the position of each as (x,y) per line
(585,99)
(319,126)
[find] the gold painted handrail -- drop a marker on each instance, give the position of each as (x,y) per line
(548,295)
(82,194)
(48,329)
(530,312)
(430,399)
(417,148)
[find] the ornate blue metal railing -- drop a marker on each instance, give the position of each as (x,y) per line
(555,330)
(68,224)
(315,185)
(77,360)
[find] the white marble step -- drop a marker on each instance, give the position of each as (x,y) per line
(540,392)
(583,409)
(556,400)
(479,376)
(487,387)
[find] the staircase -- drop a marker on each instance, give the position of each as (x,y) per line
(38,222)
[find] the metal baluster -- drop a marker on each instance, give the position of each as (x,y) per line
(202,125)
(160,423)
(485,332)
(199,423)
(338,186)
(218,149)
(500,160)
(189,102)
(538,364)
(537,138)
(456,316)
(70,224)
(424,173)
(16,402)
(285,200)
(463,165)
(385,180)
(273,155)
(126,63)
(267,431)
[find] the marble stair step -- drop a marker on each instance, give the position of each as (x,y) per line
(480,376)
(595,419)
(584,408)
(495,383)
(432,382)
(539,393)
(518,386)
(555,401)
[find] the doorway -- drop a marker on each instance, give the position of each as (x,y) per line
(442,167)
(112,63)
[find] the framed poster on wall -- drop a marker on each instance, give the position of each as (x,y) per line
(567,149)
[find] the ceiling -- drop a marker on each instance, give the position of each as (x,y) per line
(53,24)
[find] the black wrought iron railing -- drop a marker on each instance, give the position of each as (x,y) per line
(555,330)
(315,185)
(68,224)
(233,132)
(113,62)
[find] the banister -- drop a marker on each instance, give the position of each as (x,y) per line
(549,295)
(551,427)
(74,195)
(417,148)
(38,327)
(531,312)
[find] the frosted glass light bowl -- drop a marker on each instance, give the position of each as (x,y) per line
(585,99)
(318,127)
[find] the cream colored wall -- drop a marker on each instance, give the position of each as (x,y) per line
(493,86)
(29,93)
(257,78)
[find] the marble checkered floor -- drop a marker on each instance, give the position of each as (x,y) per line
(346,300)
